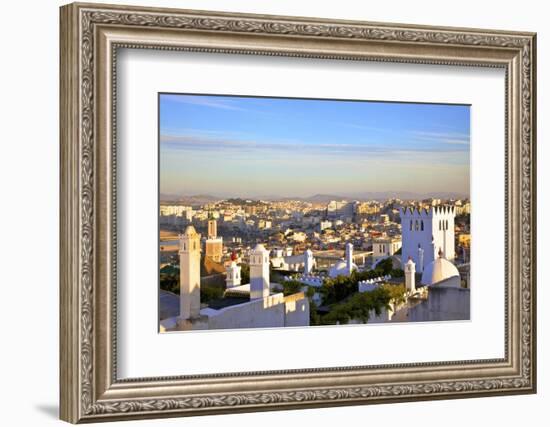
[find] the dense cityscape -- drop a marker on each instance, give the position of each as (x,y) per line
(354,247)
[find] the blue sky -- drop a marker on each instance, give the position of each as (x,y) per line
(232,146)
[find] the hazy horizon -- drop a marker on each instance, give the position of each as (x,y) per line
(250,147)
(366,196)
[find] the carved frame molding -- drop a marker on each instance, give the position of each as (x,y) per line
(90,37)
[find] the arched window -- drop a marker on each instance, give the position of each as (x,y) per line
(446,224)
(411,225)
(421,225)
(416,225)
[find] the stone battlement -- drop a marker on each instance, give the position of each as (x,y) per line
(414,213)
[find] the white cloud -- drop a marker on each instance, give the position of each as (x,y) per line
(203,101)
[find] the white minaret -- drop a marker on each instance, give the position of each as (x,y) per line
(308,261)
(233,275)
(420,259)
(190,274)
(409,276)
(349,258)
(259,272)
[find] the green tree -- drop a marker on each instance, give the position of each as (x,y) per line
(170,282)
(397,272)
(209,293)
(396,293)
(291,287)
(245,273)
(359,307)
(314,317)
(385,266)
(338,288)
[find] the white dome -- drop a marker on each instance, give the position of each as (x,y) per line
(340,269)
(439,270)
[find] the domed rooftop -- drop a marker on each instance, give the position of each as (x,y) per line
(438,271)
(340,269)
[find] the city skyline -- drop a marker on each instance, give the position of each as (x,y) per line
(314,198)
(281,147)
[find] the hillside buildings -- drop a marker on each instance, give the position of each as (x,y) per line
(265,243)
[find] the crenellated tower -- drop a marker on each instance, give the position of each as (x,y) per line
(425,232)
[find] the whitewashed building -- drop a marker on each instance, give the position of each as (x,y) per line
(304,262)
(425,232)
(346,266)
(384,248)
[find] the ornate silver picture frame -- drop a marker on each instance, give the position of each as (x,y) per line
(91,35)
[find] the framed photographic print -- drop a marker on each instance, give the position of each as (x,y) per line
(265,212)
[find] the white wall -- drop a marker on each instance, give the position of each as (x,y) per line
(29,215)
(256,313)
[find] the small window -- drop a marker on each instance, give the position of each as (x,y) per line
(422,225)
(440,224)
(446,224)
(411,225)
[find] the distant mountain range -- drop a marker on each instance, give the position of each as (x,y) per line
(379,195)
(201,199)
(198,199)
